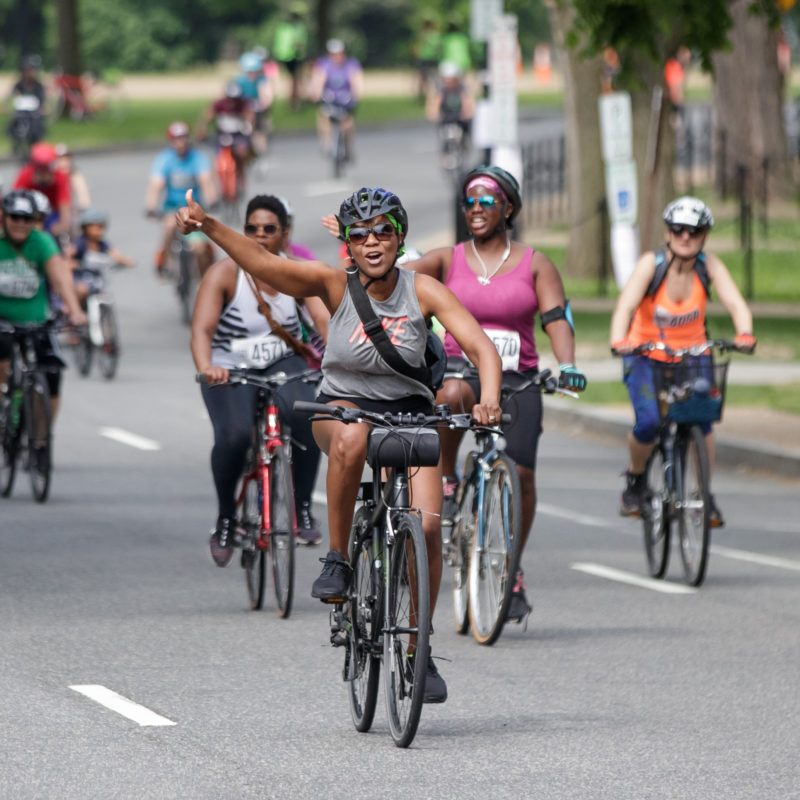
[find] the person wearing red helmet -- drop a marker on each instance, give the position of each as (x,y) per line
(177,168)
(41,175)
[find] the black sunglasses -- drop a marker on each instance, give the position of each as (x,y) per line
(269,229)
(679,230)
(383,232)
(485,201)
(19,218)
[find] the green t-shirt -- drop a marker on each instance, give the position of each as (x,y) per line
(291,41)
(23,293)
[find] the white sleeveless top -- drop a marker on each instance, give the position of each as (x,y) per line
(243,337)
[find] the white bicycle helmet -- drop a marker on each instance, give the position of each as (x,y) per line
(688,210)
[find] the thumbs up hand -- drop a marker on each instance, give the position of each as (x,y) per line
(191,216)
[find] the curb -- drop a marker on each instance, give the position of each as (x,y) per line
(730,452)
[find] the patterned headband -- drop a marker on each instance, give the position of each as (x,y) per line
(488,183)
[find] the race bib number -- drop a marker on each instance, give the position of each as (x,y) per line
(507,344)
(21,287)
(258,352)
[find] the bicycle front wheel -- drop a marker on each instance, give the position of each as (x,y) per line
(461,544)
(407,629)
(495,554)
(254,555)
(37,431)
(281,530)
(366,616)
(108,353)
(9,447)
(185,281)
(655,518)
(695,506)
(82,353)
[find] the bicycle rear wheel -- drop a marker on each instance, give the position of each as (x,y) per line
(494,561)
(37,430)
(695,505)
(655,519)
(366,617)
(108,353)
(407,629)
(281,525)
(254,555)
(461,545)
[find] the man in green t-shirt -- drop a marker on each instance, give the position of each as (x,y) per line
(28,260)
(290,48)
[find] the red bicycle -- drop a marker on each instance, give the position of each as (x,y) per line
(265,512)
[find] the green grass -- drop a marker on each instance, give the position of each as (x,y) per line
(785,397)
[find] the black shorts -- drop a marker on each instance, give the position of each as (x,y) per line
(415,404)
(525,406)
(47,356)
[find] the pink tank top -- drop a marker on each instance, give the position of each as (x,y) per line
(508,303)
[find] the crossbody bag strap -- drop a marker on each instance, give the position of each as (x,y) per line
(295,344)
(374,329)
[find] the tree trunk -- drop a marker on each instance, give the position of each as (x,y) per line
(69,51)
(585,176)
(748,104)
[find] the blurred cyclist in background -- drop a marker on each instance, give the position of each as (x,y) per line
(337,84)
(451,100)
(258,91)
(41,175)
(177,168)
(234,119)
(290,48)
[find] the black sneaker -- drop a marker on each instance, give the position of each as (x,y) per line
(519,607)
(715,518)
(41,459)
(334,581)
(435,687)
(307,531)
(634,496)
(221,542)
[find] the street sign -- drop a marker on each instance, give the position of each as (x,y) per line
(482,14)
(621,191)
(616,126)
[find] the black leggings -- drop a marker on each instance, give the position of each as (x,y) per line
(232,409)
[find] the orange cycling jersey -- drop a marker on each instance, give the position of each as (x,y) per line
(678,325)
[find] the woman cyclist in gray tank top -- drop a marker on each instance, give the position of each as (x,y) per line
(374,224)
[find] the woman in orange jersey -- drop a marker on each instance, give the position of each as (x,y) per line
(665,300)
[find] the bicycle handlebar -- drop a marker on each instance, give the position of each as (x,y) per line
(461,369)
(723,345)
(255,378)
(441,417)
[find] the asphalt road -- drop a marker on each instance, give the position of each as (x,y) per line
(615,690)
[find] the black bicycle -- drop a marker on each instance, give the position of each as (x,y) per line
(482,546)
(386,616)
(25,411)
(690,390)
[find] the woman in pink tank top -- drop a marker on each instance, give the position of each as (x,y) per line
(503,284)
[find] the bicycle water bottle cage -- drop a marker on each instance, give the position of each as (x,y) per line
(404,447)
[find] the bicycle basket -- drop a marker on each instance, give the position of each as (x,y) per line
(691,391)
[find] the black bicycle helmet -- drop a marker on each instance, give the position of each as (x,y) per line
(367,203)
(19,203)
(508,183)
(688,210)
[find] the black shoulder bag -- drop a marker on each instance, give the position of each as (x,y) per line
(431,375)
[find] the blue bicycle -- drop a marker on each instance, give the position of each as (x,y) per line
(483,549)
